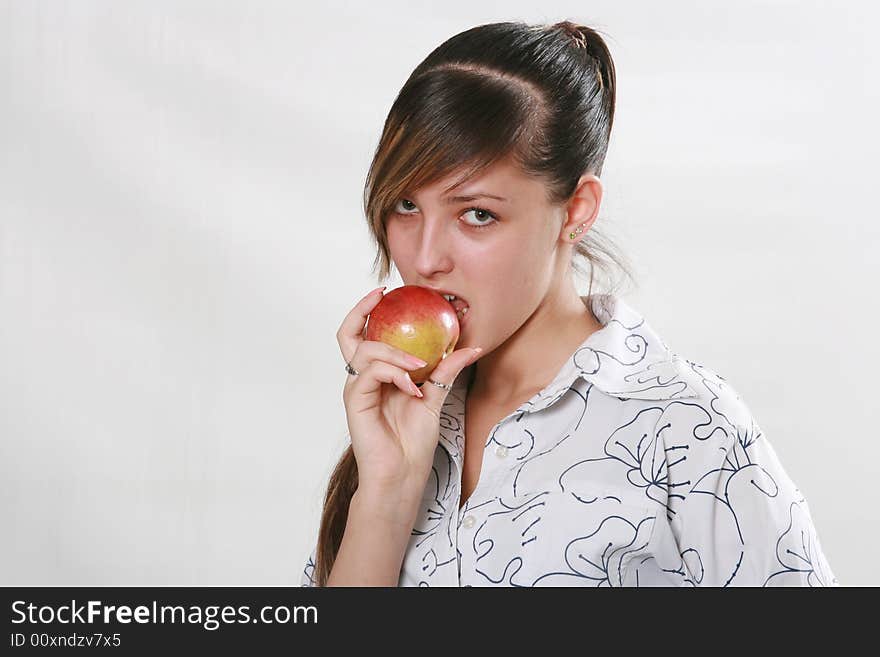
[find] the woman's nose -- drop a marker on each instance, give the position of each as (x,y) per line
(432,249)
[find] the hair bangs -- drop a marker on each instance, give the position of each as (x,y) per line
(454,127)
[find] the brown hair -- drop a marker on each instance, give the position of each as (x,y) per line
(543,95)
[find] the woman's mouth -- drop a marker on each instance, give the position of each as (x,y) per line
(460,305)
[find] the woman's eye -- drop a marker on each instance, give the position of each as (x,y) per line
(404,201)
(483,218)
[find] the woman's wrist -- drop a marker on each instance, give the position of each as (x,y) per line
(376,536)
(392,506)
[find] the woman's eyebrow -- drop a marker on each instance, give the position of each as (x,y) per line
(449,200)
(473,197)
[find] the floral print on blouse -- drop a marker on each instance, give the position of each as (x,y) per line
(634,467)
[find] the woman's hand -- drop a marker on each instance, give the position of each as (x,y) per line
(394,432)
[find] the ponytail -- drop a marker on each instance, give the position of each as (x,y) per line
(340,489)
(591,42)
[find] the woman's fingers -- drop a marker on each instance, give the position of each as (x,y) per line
(364,390)
(371,352)
(447,371)
(350,332)
(374,350)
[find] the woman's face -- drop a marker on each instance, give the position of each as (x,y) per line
(499,255)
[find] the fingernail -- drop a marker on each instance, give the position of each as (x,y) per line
(475,355)
(416,361)
(376,290)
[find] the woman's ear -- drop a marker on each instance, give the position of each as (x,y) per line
(583,208)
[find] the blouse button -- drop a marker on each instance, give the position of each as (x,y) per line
(501,451)
(468,522)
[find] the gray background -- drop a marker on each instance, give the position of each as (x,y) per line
(181,234)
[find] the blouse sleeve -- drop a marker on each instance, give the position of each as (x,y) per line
(308,572)
(734,516)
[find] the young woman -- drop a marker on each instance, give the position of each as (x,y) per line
(574,449)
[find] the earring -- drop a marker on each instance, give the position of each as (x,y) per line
(577,232)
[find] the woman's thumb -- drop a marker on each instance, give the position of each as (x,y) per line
(447,371)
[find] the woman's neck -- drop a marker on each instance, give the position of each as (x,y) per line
(530,359)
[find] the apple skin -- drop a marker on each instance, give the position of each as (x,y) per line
(419,321)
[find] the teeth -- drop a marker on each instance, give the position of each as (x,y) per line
(449,297)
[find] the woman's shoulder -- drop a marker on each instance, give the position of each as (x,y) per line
(713,407)
(629,359)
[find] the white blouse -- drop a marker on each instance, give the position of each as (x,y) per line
(634,467)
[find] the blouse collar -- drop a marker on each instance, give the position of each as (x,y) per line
(626,359)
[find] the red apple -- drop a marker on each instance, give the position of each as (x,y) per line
(419,321)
